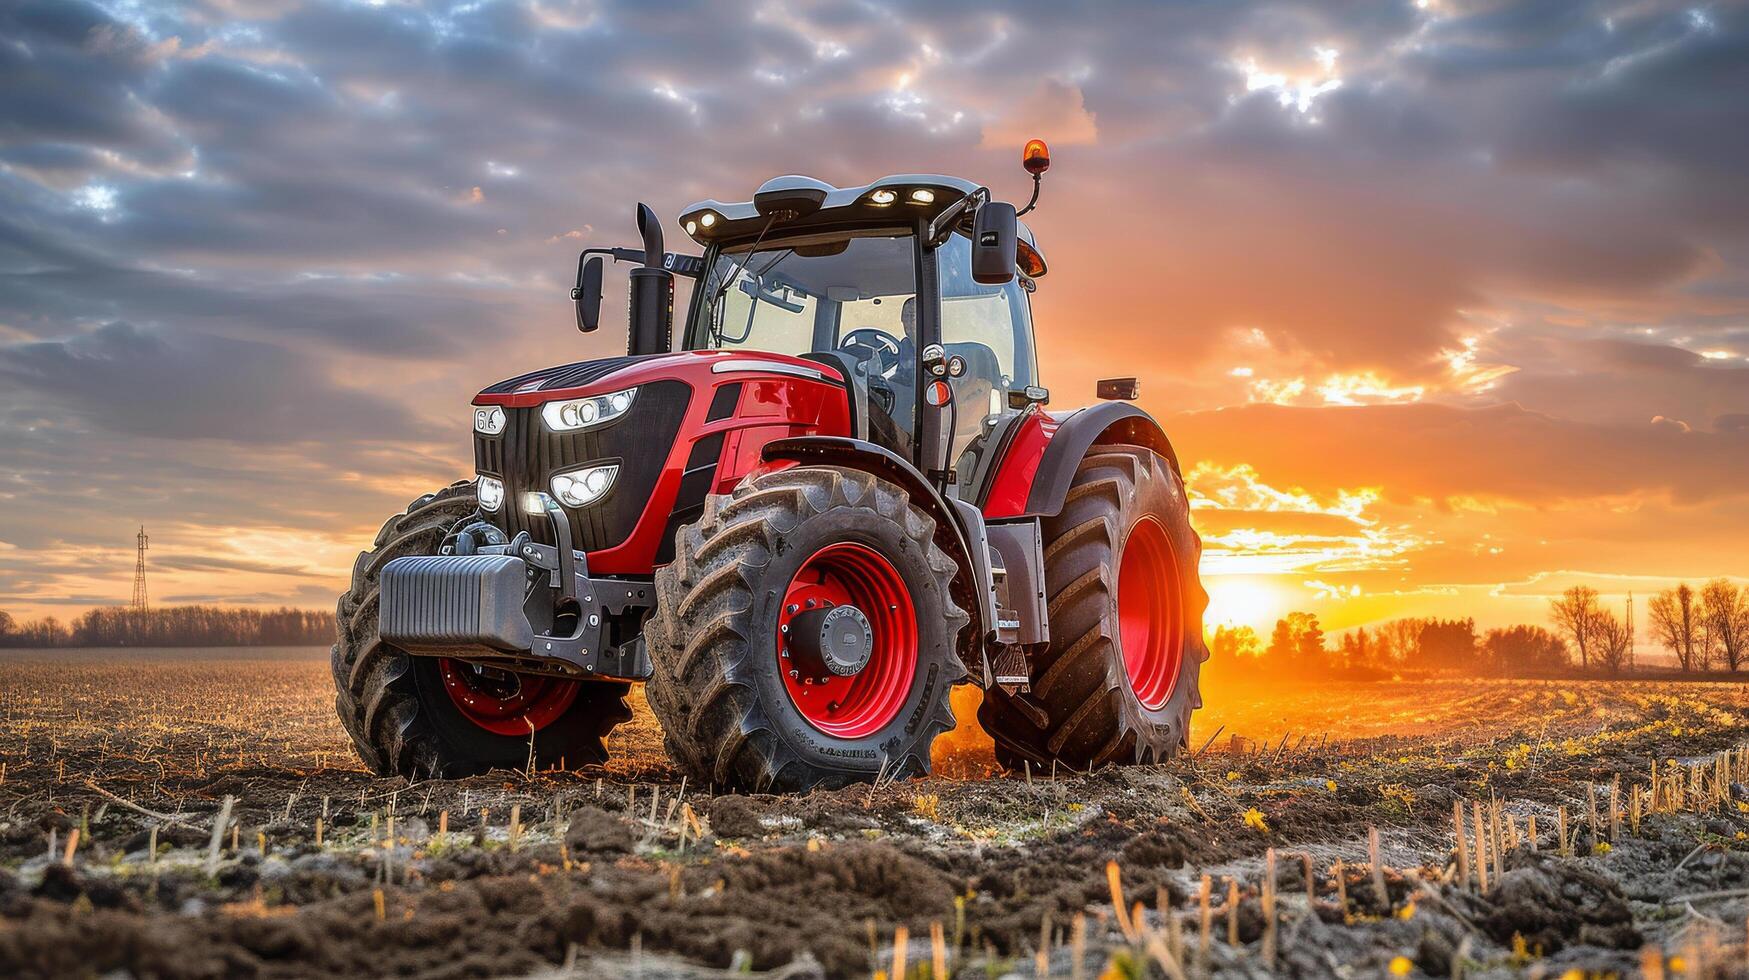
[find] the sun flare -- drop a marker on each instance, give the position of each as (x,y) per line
(1243,600)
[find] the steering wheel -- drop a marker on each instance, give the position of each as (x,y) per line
(873,345)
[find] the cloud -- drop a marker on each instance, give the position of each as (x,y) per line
(196,386)
(1053,107)
(256,254)
(1439,452)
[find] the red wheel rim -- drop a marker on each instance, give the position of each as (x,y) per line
(1150,614)
(867,701)
(529,704)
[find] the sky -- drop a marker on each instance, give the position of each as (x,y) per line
(1444,305)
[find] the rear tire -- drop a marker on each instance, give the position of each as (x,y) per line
(732,715)
(1093,702)
(397,708)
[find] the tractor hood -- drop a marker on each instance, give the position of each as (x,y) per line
(658,432)
(609,374)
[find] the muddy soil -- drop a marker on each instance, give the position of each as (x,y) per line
(118,768)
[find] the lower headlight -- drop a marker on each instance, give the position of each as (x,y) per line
(491,493)
(580,488)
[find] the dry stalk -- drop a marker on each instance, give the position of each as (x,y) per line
(1463,848)
(901,942)
(219,822)
(1342,886)
(1615,809)
(1232,912)
(1113,878)
(938,950)
(1205,915)
(1268,897)
(1497,842)
(1591,811)
(1481,834)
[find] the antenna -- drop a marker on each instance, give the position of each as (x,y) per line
(140,571)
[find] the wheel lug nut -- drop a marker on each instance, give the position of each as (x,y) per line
(810,603)
(794,674)
(793,609)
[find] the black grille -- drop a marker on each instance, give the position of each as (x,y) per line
(528,454)
(569,376)
(695,483)
(724,402)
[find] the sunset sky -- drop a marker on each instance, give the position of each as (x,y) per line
(1445,305)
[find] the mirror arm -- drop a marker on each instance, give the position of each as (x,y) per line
(618,254)
(943,224)
(1031,202)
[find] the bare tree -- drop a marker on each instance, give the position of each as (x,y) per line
(1676,623)
(1399,641)
(1524,650)
(1610,641)
(1576,612)
(1725,609)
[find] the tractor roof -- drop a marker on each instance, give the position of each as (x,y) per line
(902,196)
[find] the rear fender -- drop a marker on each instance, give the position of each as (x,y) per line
(1039,463)
(971,583)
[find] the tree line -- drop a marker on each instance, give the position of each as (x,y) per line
(1706,629)
(173,626)
(1299,647)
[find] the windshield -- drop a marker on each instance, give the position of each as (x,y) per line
(854,295)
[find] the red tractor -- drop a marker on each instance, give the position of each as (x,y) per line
(834,496)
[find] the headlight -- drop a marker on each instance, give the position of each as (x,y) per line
(535,503)
(580,488)
(491,494)
(581,413)
(488,420)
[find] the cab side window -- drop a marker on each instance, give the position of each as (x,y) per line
(991,328)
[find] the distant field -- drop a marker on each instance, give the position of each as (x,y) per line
(605,868)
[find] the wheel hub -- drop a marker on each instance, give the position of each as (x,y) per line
(830,642)
(846,640)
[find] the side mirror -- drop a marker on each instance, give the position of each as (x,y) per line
(588,295)
(993,243)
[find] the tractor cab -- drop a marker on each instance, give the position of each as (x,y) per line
(878,283)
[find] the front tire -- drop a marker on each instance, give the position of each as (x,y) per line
(426,716)
(1119,679)
(737,709)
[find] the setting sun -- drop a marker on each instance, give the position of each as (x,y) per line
(1243,600)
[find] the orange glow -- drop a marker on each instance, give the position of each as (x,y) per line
(1036,158)
(1244,600)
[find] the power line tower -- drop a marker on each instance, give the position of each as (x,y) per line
(140,571)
